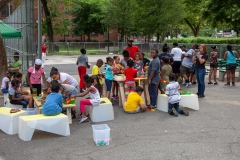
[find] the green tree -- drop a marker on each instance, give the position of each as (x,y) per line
(88,18)
(218,12)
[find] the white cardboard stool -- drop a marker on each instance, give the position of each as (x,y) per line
(9,121)
(53,124)
(5,99)
(103,112)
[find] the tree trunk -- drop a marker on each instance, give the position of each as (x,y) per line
(3,60)
(122,35)
(195,29)
(163,36)
(49,24)
(88,37)
(171,35)
(158,37)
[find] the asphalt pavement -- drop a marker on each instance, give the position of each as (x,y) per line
(212,133)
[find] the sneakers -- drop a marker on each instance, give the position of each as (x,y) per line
(152,107)
(73,114)
(233,84)
(194,83)
(183,83)
(83,119)
(227,84)
(185,112)
(188,84)
(201,96)
(116,97)
(215,83)
(174,112)
(210,82)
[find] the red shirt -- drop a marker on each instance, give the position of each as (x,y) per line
(130,74)
(44,49)
(132,50)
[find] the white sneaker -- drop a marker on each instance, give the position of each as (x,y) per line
(188,84)
(83,119)
(183,83)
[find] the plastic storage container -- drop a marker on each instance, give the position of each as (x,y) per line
(30,111)
(101,134)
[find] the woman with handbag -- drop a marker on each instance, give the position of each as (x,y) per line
(231,64)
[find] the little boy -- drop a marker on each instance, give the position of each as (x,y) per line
(53,104)
(96,71)
(134,102)
(16,65)
(174,97)
(145,60)
(16,98)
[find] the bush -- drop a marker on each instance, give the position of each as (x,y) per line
(205,40)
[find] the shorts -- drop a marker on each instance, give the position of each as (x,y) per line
(184,70)
(74,92)
(176,66)
(231,66)
(108,85)
(213,65)
(38,87)
(192,69)
(23,102)
(4,90)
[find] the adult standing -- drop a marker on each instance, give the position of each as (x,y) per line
(231,64)
(44,52)
(201,58)
(187,64)
(132,49)
(82,63)
(176,54)
(153,78)
(213,65)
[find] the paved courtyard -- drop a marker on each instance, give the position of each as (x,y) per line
(212,133)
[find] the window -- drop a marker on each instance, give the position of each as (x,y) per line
(5,11)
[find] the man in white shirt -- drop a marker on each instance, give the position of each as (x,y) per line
(176,54)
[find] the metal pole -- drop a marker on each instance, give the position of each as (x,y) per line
(39,31)
(9,9)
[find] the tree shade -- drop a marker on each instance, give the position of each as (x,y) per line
(7,31)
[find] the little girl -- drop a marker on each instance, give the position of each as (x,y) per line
(165,71)
(130,73)
(138,64)
(109,76)
(5,82)
(94,97)
(116,71)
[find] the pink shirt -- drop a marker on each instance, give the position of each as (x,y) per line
(35,78)
(117,70)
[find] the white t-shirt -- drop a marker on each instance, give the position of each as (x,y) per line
(4,81)
(177,54)
(172,92)
(69,79)
(67,88)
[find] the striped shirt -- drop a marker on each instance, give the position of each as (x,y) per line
(172,92)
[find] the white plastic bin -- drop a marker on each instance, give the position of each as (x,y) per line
(30,111)
(101,134)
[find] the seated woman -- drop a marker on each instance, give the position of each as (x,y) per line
(53,104)
(134,102)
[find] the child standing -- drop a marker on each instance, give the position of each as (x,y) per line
(96,71)
(109,76)
(174,97)
(94,97)
(138,64)
(16,98)
(16,65)
(134,103)
(126,57)
(5,82)
(165,72)
(53,104)
(82,63)
(116,71)
(145,60)
(35,74)
(130,73)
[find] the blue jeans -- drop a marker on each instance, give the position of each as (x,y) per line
(200,74)
(108,85)
(23,102)
(152,89)
(74,92)
(176,106)
(5,90)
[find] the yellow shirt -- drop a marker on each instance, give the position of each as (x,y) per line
(133,101)
(96,71)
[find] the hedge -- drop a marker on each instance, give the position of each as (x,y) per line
(205,40)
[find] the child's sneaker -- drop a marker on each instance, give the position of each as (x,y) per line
(116,97)
(83,119)
(152,107)
(188,84)
(175,112)
(185,112)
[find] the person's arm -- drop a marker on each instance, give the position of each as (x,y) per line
(201,60)
(237,55)
(150,77)
(194,58)
(44,79)
(16,99)
(225,56)
(15,68)
(84,93)
(77,61)
(162,72)
(7,84)
(29,75)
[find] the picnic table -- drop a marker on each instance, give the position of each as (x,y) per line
(141,82)
(65,106)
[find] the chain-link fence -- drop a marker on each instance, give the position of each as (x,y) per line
(22,19)
(71,48)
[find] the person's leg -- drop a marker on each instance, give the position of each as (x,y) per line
(228,76)
(39,88)
(197,76)
(113,90)
(79,74)
(210,75)
(83,103)
(5,90)
(126,89)
(116,86)
(30,100)
(152,88)
(170,107)
(233,77)
(181,110)
(202,80)
(132,86)
(215,75)
(43,57)
(83,72)
(25,103)
(109,86)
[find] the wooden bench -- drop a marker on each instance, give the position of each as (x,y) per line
(222,68)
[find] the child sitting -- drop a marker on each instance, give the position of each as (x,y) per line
(15,97)
(174,97)
(165,71)
(5,82)
(134,103)
(138,64)
(94,97)
(130,73)
(53,104)
(96,71)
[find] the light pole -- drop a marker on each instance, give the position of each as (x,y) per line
(39,31)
